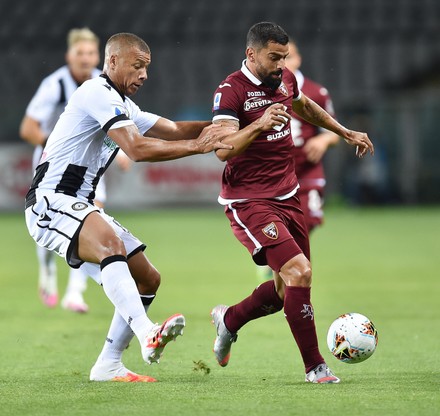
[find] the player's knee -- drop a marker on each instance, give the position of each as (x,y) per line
(297,272)
(148,281)
(154,279)
(306,276)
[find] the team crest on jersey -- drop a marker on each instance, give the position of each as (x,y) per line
(283,89)
(79,206)
(271,231)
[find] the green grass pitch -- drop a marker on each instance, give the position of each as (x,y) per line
(383,263)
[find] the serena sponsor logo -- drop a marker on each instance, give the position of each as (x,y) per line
(278,135)
(256,102)
(271,231)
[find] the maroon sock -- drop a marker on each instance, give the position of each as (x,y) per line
(300,316)
(263,301)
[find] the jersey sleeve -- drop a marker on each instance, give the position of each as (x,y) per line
(44,102)
(296,91)
(227,102)
(143,120)
(105,106)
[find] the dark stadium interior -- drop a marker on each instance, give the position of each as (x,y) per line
(380,60)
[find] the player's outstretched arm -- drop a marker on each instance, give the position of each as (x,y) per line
(177,130)
(148,149)
(313,113)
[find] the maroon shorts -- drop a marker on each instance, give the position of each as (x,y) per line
(273,231)
(312,201)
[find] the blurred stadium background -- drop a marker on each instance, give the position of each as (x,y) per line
(380,59)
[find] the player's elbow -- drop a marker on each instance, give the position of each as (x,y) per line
(141,157)
(144,154)
(134,154)
(223,155)
(23,131)
(27,136)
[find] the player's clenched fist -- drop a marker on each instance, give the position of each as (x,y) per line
(275,117)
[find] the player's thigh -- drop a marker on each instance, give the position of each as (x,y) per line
(257,225)
(54,221)
(98,240)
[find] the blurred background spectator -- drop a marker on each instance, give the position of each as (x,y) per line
(381,60)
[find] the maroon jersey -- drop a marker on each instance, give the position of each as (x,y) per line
(302,131)
(266,169)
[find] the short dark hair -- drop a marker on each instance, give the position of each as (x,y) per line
(260,34)
(124,40)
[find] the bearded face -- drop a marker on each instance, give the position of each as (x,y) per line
(268,63)
(273,79)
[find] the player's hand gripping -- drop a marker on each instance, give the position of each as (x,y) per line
(211,138)
(274,116)
(361,141)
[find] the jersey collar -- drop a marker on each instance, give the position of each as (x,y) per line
(110,82)
(249,74)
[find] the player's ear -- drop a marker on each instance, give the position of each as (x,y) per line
(112,61)
(250,54)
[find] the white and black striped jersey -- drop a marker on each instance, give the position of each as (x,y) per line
(79,150)
(51,97)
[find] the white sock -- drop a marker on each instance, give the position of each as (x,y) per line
(47,269)
(77,281)
(119,335)
(121,289)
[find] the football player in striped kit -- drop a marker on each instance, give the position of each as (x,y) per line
(61,216)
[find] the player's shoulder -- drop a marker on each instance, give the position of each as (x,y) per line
(90,92)
(97,85)
(291,80)
(231,81)
(54,77)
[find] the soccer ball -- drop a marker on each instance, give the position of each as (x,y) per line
(352,338)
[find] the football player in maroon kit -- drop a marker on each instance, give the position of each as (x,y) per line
(259,191)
